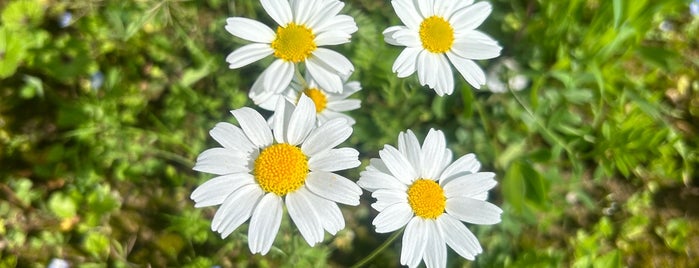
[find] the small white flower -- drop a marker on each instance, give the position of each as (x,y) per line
(329,105)
(420,188)
(437,32)
(58,263)
(506,73)
(261,168)
(304,27)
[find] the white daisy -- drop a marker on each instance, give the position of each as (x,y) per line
(420,187)
(261,168)
(304,27)
(437,30)
(329,105)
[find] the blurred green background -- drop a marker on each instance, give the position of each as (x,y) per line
(104,106)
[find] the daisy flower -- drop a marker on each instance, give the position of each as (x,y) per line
(437,32)
(329,105)
(263,168)
(304,27)
(420,188)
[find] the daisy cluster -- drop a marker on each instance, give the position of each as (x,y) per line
(289,161)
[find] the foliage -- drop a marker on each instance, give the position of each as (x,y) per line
(101,119)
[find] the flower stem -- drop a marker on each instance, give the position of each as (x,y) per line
(299,76)
(378,250)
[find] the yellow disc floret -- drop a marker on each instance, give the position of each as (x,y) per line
(436,34)
(318,98)
(293,43)
(281,168)
(426,198)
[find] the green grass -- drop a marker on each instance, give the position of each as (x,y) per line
(595,159)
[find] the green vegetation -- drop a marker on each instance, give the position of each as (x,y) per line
(101,120)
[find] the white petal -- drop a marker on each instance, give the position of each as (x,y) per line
(214,191)
(445,77)
(457,5)
(392,218)
(279,77)
(444,8)
(446,160)
(409,146)
(388,197)
(334,61)
(407,37)
(399,166)
(231,137)
(374,180)
(302,10)
(344,105)
(458,237)
(427,69)
(280,120)
(342,23)
(388,35)
(326,136)
(470,185)
(236,209)
(254,126)
(426,8)
(248,54)
(326,79)
(432,154)
(325,12)
(221,161)
(250,30)
(414,242)
(407,12)
(378,165)
(304,215)
(348,89)
(473,74)
(266,99)
(482,196)
(470,17)
(436,249)
(329,214)
(264,223)
(466,164)
(333,187)
(330,38)
(477,46)
(279,10)
(302,121)
(334,160)
(328,115)
(473,211)
(405,64)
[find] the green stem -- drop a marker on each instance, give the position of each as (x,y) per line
(378,250)
(299,76)
(546,131)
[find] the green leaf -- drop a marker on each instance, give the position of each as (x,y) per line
(609,260)
(467,98)
(96,244)
(513,187)
(22,15)
(62,205)
(618,10)
(12,52)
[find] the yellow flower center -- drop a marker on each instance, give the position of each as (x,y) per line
(426,198)
(293,43)
(281,168)
(436,34)
(318,98)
